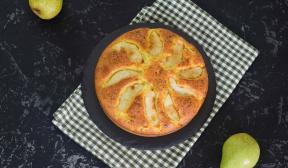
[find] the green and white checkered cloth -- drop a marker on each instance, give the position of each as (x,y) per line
(230,56)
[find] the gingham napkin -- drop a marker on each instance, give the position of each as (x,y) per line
(230,56)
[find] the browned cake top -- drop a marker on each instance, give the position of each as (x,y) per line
(151,82)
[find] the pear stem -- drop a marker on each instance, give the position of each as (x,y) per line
(37,11)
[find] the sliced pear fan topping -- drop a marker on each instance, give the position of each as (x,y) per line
(169,109)
(190,73)
(184,90)
(135,55)
(128,95)
(120,75)
(156,45)
(150,111)
(177,54)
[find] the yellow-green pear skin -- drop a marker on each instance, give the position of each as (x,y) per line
(46,9)
(240,151)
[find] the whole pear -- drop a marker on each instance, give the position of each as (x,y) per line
(240,151)
(46,9)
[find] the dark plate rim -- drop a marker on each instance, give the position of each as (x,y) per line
(127,139)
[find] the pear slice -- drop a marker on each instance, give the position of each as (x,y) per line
(190,73)
(170,109)
(156,45)
(177,55)
(128,95)
(150,111)
(184,90)
(119,76)
(135,56)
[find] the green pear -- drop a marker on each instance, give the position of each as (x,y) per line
(240,151)
(46,9)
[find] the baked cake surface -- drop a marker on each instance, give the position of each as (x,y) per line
(151,82)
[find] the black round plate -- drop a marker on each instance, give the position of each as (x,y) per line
(125,138)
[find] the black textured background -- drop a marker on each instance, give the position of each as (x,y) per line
(41,63)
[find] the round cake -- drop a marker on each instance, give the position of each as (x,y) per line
(151,82)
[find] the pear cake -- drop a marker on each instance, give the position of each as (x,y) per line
(151,82)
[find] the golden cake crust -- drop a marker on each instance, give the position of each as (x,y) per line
(151,82)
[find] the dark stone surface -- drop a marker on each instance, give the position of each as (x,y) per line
(41,64)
